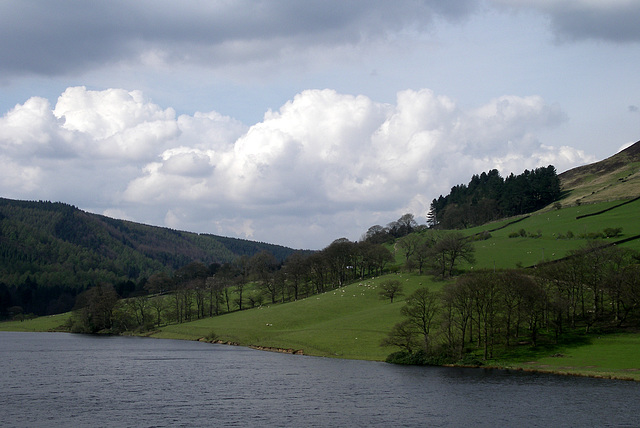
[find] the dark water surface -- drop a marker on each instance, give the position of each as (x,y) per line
(57,379)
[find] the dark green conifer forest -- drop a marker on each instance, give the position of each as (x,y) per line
(489,197)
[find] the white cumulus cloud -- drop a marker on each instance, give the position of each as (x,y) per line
(324,165)
(116,123)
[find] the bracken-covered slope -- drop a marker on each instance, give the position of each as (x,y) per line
(615,178)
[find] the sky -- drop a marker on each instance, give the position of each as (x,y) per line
(299,122)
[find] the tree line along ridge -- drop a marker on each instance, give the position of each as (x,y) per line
(489,197)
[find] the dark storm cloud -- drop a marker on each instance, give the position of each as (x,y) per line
(55,38)
(51,38)
(615,21)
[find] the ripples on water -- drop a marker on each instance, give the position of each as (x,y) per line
(56,379)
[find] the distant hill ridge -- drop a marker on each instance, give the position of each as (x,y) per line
(614,178)
(56,244)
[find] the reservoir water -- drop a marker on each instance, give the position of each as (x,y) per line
(57,379)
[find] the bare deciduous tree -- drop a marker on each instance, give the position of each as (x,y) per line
(390,289)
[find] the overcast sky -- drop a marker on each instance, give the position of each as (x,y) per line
(299,122)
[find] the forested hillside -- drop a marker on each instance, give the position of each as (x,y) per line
(50,251)
(489,197)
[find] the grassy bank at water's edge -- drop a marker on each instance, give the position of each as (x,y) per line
(48,323)
(612,356)
(348,322)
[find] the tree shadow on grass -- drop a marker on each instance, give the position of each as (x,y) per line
(545,348)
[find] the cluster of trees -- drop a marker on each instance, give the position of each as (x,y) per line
(32,298)
(51,252)
(489,197)
(405,225)
(438,253)
(196,291)
(596,287)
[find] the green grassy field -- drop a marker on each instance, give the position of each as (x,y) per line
(349,322)
(612,356)
(504,252)
(48,323)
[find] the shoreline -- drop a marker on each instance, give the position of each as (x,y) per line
(488,367)
(550,372)
(256,347)
(292,351)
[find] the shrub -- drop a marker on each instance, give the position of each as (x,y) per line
(591,235)
(524,234)
(482,236)
(420,358)
(147,326)
(400,357)
(470,360)
(612,232)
